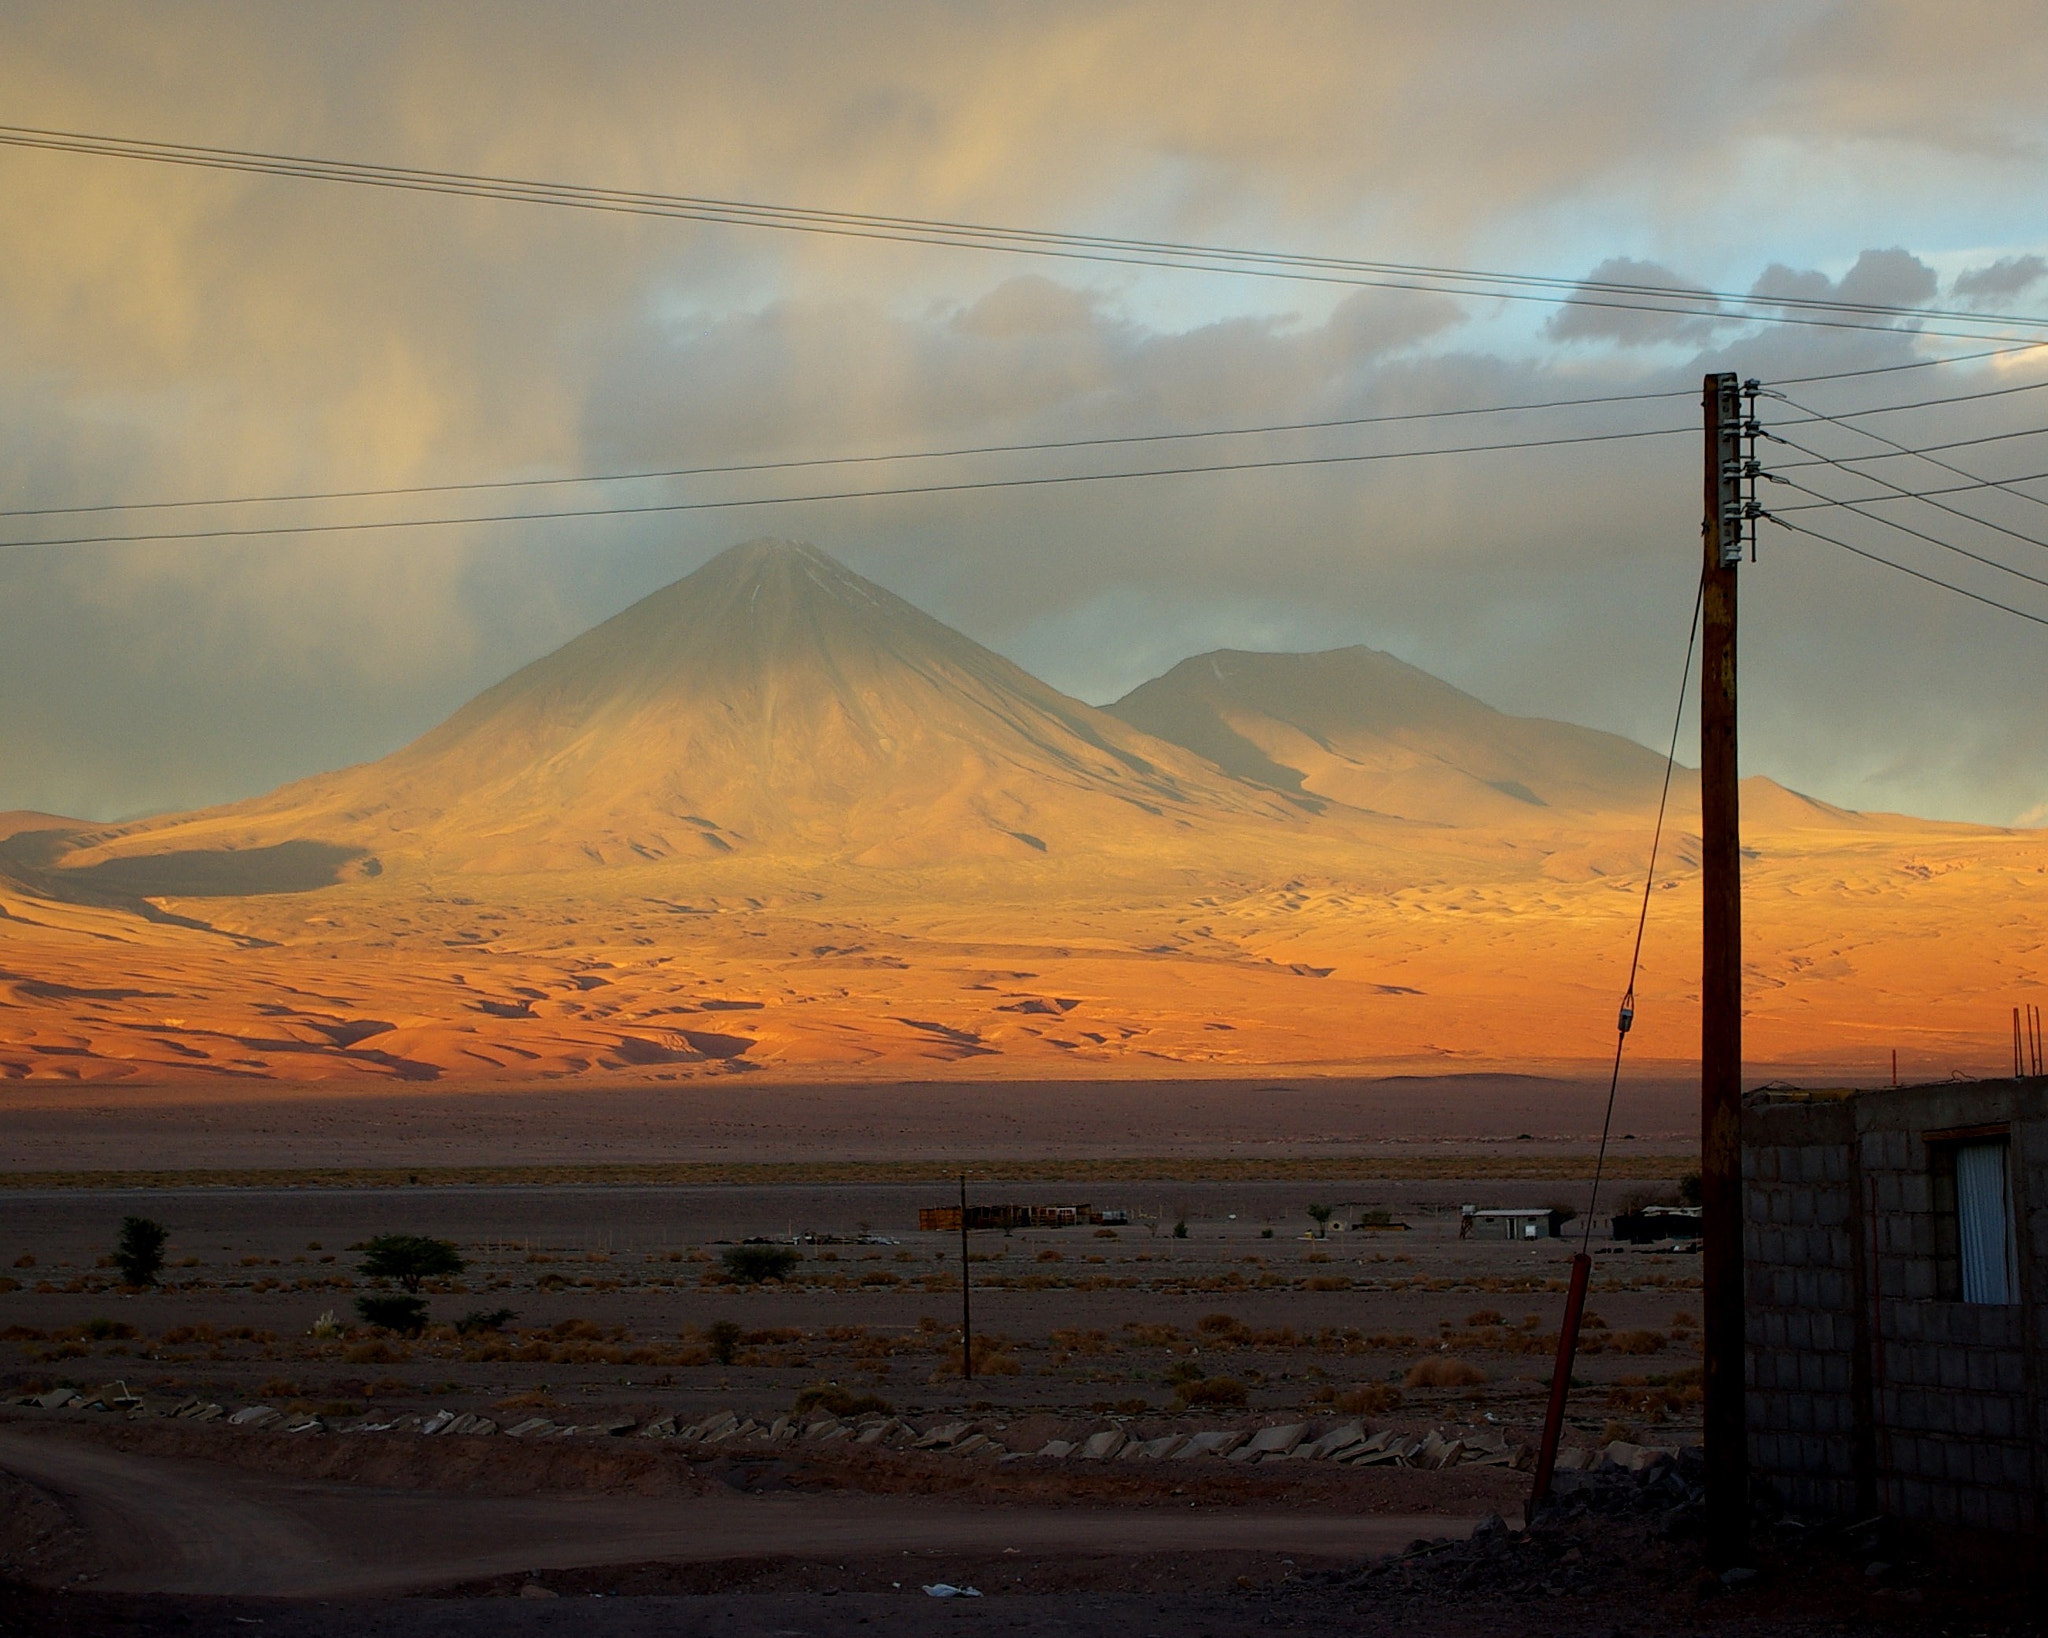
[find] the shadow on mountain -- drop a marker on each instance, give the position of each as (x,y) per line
(215,873)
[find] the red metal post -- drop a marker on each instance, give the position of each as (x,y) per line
(1561,1379)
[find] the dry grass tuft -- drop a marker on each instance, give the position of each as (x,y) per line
(1444,1371)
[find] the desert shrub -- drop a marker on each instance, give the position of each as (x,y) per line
(1371,1399)
(750,1265)
(1051,1256)
(374,1352)
(1214,1392)
(1484,1316)
(103,1330)
(393,1312)
(1443,1371)
(139,1250)
(1329,1282)
(1184,1370)
(1634,1342)
(1219,1325)
(279,1387)
(410,1259)
(1078,1341)
(1180,1229)
(1690,1191)
(1107,1234)
(25,1260)
(533,1399)
(574,1330)
(1265,1234)
(9,1283)
(479,1320)
(992,1357)
(723,1340)
(1658,1396)
(838,1401)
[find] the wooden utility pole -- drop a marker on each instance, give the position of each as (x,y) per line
(966,1294)
(1727,1431)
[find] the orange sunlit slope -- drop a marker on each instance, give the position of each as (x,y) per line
(774,818)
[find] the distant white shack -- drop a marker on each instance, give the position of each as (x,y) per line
(1509,1223)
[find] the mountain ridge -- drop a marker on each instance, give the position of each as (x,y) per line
(773,699)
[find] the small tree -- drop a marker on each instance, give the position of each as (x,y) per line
(409,1259)
(1320,1215)
(392,1312)
(723,1339)
(750,1265)
(139,1250)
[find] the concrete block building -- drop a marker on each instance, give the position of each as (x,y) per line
(1896,1292)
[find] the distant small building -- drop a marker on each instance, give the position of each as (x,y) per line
(1006,1217)
(1509,1222)
(1896,1300)
(1648,1224)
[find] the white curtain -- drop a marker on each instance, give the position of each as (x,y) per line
(1984,1222)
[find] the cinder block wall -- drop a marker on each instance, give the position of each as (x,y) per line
(1800,1249)
(1869,1388)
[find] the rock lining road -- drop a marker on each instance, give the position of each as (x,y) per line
(172,1525)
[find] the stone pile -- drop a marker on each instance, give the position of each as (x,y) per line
(1350,1443)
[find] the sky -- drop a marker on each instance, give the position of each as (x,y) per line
(184,334)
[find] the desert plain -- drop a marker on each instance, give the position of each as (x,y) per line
(771,911)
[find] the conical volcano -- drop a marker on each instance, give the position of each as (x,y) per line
(774,701)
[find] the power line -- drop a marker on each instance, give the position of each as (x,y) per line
(846,460)
(1932,540)
(1915,404)
(1748,307)
(1922,494)
(1916,364)
(1042,446)
(1975,597)
(356,526)
(1922,455)
(1893,455)
(1902,493)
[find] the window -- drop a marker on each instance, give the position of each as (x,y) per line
(1984,1227)
(1974,1217)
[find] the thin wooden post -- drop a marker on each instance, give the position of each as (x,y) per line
(1721,983)
(966,1294)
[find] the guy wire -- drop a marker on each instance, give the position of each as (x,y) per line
(1628,1000)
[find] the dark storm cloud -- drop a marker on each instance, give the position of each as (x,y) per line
(176,333)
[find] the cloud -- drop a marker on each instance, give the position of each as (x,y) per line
(1883,278)
(2001,280)
(1632,319)
(177,333)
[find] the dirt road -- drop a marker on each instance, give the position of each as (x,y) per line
(179,1526)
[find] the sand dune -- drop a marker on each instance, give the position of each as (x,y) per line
(773,821)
